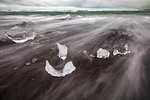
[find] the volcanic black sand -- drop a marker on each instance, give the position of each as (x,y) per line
(119,77)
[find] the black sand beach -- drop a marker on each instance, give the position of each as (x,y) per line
(118,77)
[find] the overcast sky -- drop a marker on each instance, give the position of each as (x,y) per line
(55,5)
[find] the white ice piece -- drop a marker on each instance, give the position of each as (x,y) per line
(68,69)
(102,53)
(51,70)
(24,39)
(126,47)
(66,17)
(62,51)
(116,52)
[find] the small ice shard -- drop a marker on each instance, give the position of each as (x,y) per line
(52,71)
(23,39)
(66,17)
(126,52)
(68,69)
(126,47)
(62,51)
(102,53)
(116,52)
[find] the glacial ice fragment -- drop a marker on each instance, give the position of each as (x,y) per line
(62,51)
(68,69)
(51,70)
(116,52)
(102,53)
(23,39)
(66,17)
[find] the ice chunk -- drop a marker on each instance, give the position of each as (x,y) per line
(102,53)
(66,17)
(23,39)
(126,47)
(62,51)
(126,52)
(68,69)
(116,52)
(52,71)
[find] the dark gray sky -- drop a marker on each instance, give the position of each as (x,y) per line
(73,4)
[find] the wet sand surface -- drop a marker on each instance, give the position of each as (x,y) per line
(118,77)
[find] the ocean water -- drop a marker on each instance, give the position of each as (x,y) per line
(123,75)
(76,12)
